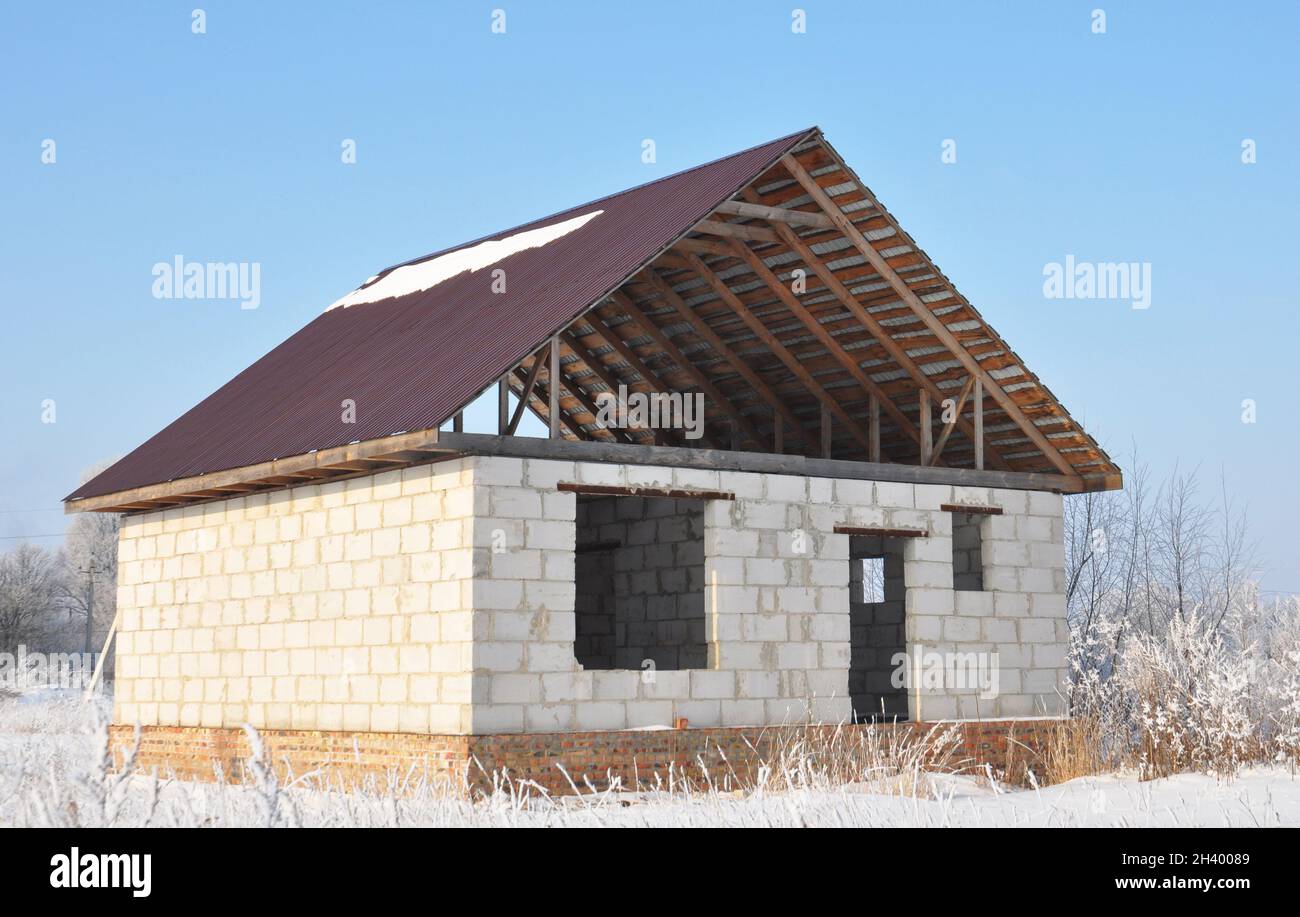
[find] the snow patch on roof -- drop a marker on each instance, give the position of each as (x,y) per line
(424,275)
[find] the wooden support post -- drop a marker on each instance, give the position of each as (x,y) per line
(826,431)
(927,428)
(503,406)
(979,423)
(874,431)
(959,405)
(458,422)
(553,413)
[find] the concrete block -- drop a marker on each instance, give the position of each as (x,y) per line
(786,488)
(742,712)
(894,495)
(1033,630)
(1037,579)
(700,712)
(1051,655)
(615,685)
(544,474)
(997,630)
(854,493)
(600,473)
(961,629)
(765,515)
(930,601)
(1045,605)
(709,684)
(745,485)
(642,713)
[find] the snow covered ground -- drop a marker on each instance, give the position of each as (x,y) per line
(52,773)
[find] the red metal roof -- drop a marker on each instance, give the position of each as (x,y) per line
(409,362)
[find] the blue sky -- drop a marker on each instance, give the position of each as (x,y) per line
(225,146)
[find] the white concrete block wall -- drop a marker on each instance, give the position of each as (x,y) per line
(338,606)
(776,602)
(772,657)
(1019,615)
(440,598)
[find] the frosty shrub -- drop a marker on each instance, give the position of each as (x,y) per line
(1178,663)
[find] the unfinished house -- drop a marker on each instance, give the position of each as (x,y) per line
(792,476)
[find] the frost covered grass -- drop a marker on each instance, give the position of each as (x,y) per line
(1183,700)
(54,770)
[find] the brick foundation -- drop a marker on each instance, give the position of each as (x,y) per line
(731,755)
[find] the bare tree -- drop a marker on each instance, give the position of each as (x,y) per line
(90,584)
(31,587)
(1234,556)
(90,555)
(1180,536)
(1137,563)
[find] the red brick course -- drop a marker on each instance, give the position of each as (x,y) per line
(726,757)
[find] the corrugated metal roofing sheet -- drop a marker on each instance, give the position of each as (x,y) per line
(410,362)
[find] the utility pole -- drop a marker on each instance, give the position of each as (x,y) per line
(90,605)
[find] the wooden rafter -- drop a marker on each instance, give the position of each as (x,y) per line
(873,411)
(927,430)
(845,359)
(879,333)
(738,363)
(555,377)
(649,378)
(703,246)
(605,376)
(541,395)
(827,400)
(647,326)
(589,405)
(846,226)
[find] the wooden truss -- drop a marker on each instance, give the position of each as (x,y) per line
(813,326)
